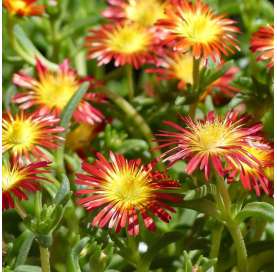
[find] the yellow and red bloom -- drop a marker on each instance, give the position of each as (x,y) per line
(255,177)
(214,140)
(121,189)
(262,42)
(17,180)
(197,29)
(23,7)
(25,134)
(125,43)
(52,91)
(145,13)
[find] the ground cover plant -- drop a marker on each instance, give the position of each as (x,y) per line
(137,135)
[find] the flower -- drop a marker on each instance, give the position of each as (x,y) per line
(52,91)
(214,140)
(255,177)
(125,43)
(196,28)
(262,42)
(23,7)
(122,189)
(17,180)
(25,134)
(175,65)
(145,13)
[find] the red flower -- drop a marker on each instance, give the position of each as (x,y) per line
(196,28)
(125,43)
(213,140)
(23,7)
(27,134)
(145,13)
(52,91)
(262,42)
(18,180)
(122,189)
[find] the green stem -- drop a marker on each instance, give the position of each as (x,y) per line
(224,204)
(138,120)
(129,72)
(235,231)
(196,75)
(19,209)
(44,259)
(216,240)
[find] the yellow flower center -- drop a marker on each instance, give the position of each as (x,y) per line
(18,4)
(128,187)
(145,13)
(128,39)
(210,137)
(10,177)
(182,67)
(55,91)
(20,135)
(198,28)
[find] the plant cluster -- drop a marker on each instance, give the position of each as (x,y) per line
(137,135)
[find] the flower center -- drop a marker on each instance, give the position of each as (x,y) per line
(198,28)
(18,4)
(20,134)
(145,13)
(211,137)
(128,39)
(9,178)
(128,188)
(55,91)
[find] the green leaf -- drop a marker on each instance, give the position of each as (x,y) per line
(256,209)
(63,191)
(200,192)
(72,105)
(24,248)
(28,268)
(204,206)
(65,120)
(73,259)
(187,262)
(29,47)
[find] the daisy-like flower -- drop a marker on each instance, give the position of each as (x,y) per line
(51,92)
(121,189)
(17,180)
(23,7)
(214,140)
(145,13)
(196,28)
(25,134)
(255,177)
(125,43)
(263,43)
